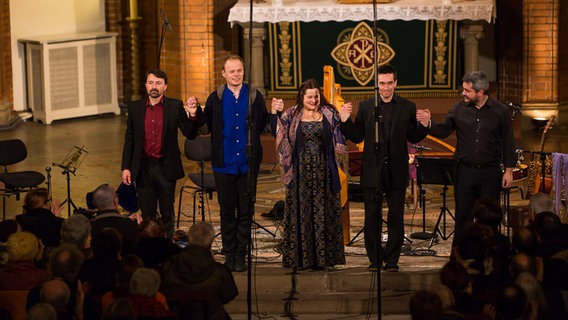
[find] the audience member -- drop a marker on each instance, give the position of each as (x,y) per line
(21,273)
(99,272)
(144,286)
(119,309)
(448,302)
(548,229)
(64,264)
(42,311)
(195,269)
(512,303)
(525,240)
(454,275)
(152,245)
(57,294)
(489,213)
(40,217)
(425,305)
(105,201)
(554,252)
(7,227)
(540,202)
(76,230)
(128,265)
(536,299)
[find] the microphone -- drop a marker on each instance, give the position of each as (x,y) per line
(516,109)
(166,21)
(48,169)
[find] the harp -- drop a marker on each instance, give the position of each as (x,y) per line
(332,92)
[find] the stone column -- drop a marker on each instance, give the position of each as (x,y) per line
(257,72)
(471,33)
(133,21)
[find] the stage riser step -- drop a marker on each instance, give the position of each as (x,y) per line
(277,280)
(340,291)
(352,303)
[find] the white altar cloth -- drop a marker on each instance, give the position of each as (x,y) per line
(329,10)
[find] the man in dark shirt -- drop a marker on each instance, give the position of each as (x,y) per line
(151,155)
(388,178)
(485,143)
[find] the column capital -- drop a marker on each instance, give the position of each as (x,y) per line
(472,32)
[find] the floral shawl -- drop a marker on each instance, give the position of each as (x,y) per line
(286,132)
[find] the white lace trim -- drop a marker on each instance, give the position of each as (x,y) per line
(331,10)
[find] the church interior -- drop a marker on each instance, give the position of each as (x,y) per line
(70,70)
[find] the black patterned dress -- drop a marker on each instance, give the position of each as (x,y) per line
(312,216)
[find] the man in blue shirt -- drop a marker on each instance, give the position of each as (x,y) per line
(225,117)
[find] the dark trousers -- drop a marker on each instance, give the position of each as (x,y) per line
(472,184)
(373,225)
(153,188)
(235,212)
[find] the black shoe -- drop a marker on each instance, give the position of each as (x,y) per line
(373,267)
(230,262)
(390,268)
(240,264)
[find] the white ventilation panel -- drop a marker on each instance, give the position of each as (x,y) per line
(71,76)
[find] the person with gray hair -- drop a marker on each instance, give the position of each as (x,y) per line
(42,311)
(64,264)
(77,230)
(540,202)
(144,286)
(485,143)
(106,202)
(56,293)
(194,271)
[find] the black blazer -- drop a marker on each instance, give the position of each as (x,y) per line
(404,128)
(174,117)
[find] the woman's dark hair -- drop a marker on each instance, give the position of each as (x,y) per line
(306,85)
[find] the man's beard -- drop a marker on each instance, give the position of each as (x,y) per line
(154,93)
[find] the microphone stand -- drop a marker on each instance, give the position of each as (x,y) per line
(377,151)
(250,176)
(165,22)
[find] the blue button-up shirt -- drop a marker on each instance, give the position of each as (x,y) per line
(234,132)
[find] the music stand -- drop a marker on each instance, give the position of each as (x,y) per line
(437,171)
(69,165)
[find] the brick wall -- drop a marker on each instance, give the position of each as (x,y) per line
(563,54)
(541,51)
(509,29)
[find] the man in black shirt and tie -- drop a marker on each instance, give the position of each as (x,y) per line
(485,144)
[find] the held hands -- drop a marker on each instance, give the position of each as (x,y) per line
(423,116)
(345,111)
(277,105)
(191,106)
